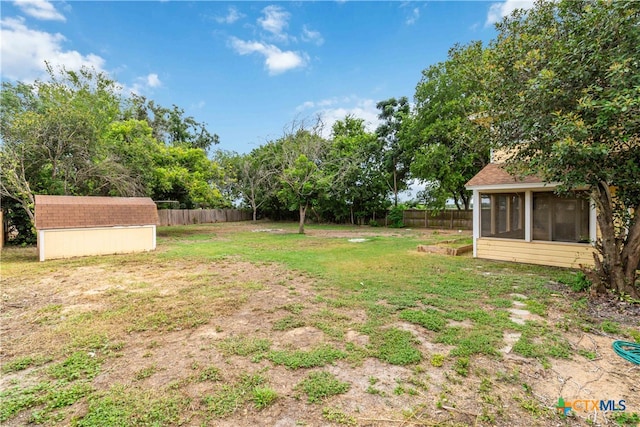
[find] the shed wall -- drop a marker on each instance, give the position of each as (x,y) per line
(555,254)
(67,243)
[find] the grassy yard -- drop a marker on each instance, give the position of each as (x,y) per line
(252,324)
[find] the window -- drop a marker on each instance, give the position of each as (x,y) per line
(502,215)
(562,219)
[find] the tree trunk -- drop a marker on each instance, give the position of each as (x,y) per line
(615,269)
(303,213)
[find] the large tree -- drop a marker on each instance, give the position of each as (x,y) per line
(358,188)
(394,156)
(301,156)
(565,100)
(449,129)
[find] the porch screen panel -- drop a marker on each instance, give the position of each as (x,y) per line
(560,219)
(502,215)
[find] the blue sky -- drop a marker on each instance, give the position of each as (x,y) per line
(247,69)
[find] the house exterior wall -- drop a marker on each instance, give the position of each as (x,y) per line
(72,242)
(557,254)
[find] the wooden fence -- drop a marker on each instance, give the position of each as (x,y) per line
(450,219)
(201,216)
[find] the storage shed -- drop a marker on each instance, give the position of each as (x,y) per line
(70,226)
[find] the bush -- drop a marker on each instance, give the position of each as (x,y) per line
(396,217)
(23,232)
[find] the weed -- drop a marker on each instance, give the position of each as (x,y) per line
(263,397)
(611,327)
(396,347)
(145,372)
(591,355)
(231,397)
(334,415)
(23,363)
(627,419)
(80,365)
(319,385)
(319,356)
(437,360)
(120,406)
(429,319)
(533,407)
(461,366)
(286,323)
(243,346)
(294,308)
(210,373)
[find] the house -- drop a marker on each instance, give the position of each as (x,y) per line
(70,226)
(522,220)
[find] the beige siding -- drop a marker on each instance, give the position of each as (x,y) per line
(68,243)
(544,253)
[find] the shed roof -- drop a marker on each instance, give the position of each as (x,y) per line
(496,174)
(91,211)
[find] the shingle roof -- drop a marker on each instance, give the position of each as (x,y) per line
(90,211)
(495,174)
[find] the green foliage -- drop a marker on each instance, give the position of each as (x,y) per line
(396,347)
(461,366)
(336,416)
(396,216)
(243,346)
(437,360)
(316,357)
(450,131)
(626,419)
(210,373)
(564,97)
(232,397)
(610,327)
(263,397)
(75,134)
(80,365)
(288,322)
(320,385)
(121,406)
(430,319)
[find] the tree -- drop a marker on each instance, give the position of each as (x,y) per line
(358,188)
(394,156)
(169,125)
(255,179)
(186,175)
(301,157)
(449,129)
(50,138)
(565,100)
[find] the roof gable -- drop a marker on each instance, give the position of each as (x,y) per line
(91,211)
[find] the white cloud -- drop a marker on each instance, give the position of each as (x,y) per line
(24,52)
(497,11)
(275,21)
(40,9)
(276,60)
(143,84)
(413,18)
(311,36)
(153,80)
(333,109)
(232,16)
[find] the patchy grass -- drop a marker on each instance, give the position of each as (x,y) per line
(201,329)
(321,385)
